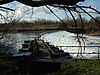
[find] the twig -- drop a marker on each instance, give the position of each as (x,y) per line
(6,8)
(89,8)
(89,14)
(57,16)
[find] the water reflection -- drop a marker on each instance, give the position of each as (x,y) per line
(7,43)
(60,38)
(12,42)
(24,36)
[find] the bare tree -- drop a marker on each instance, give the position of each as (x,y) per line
(8,20)
(66,5)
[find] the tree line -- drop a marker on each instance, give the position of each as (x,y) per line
(89,25)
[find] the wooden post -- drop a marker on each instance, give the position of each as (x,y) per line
(98,53)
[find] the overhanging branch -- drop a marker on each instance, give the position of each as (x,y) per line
(49,2)
(5,1)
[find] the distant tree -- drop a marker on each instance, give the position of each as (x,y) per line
(8,21)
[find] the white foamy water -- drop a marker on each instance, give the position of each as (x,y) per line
(64,38)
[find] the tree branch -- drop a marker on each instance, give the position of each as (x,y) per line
(49,2)
(5,1)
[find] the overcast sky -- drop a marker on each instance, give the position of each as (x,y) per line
(43,12)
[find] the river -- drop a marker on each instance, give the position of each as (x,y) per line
(64,38)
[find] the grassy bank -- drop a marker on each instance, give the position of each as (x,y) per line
(45,27)
(41,25)
(79,67)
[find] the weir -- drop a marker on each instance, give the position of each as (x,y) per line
(83,49)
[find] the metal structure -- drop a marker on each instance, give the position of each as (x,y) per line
(69,5)
(80,53)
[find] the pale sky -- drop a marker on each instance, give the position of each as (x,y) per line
(43,12)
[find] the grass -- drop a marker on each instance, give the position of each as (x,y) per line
(7,66)
(79,67)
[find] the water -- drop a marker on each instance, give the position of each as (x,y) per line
(24,36)
(63,38)
(15,41)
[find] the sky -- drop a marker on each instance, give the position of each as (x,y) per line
(28,13)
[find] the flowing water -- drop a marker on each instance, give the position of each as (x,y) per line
(64,38)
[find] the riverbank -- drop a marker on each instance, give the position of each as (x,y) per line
(77,67)
(94,34)
(40,28)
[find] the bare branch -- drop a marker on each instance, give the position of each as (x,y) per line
(89,8)
(89,14)
(5,1)
(57,17)
(49,2)
(6,8)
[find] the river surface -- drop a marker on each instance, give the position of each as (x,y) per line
(64,38)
